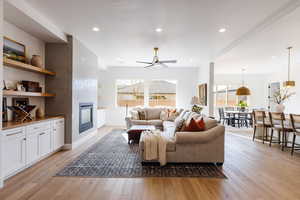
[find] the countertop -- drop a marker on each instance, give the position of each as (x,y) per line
(10,125)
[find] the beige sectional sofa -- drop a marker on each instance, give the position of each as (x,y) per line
(152,117)
(188,147)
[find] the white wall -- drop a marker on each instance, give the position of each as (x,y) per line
(257,83)
(33,46)
(187,80)
(292,105)
(206,75)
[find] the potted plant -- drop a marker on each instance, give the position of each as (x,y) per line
(280,97)
(243,105)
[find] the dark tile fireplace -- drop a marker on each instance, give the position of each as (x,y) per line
(85,116)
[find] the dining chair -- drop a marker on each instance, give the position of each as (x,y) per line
(259,121)
(295,121)
(278,123)
(242,119)
(250,119)
(223,117)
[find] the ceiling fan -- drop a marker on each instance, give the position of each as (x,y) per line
(156,62)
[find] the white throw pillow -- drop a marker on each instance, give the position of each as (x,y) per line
(134,114)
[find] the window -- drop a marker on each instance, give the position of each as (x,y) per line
(130,93)
(225,95)
(220,95)
(153,93)
(162,93)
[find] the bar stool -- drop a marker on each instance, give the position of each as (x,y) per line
(278,124)
(259,120)
(295,121)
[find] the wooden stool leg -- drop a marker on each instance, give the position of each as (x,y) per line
(279,137)
(293,145)
(283,140)
(254,133)
(272,131)
(263,134)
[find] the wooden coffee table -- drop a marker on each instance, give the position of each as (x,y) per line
(134,132)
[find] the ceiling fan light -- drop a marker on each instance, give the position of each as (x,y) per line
(288,84)
(243,91)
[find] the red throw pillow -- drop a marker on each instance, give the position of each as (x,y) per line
(201,124)
(194,126)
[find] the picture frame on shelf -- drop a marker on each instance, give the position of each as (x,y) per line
(14,50)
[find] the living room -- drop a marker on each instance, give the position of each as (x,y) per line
(149,100)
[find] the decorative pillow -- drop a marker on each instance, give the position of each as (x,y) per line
(172,114)
(142,114)
(134,114)
(164,115)
(201,124)
(194,126)
(183,113)
(179,122)
(186,115)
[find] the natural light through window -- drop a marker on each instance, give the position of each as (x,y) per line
(130,93)
(162,93)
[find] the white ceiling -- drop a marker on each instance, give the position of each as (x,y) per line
(266,51)
(190,28)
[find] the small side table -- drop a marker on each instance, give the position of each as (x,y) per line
(134,132)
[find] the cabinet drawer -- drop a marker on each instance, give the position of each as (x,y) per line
(38,127)
(16,132)
(59,122)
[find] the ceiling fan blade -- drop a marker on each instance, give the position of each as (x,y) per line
(168,61)
(149,66)
(144,62)
(163,65)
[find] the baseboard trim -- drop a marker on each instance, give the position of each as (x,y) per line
(83,139)
(67,147)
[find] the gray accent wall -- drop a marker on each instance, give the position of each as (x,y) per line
(75,82)
(59,59)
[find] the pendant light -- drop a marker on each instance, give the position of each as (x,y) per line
(289,83)
(243,90)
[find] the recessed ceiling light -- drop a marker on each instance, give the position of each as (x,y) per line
(158,30)
(222,30)
(96,29)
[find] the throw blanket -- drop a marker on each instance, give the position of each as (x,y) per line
(155,146)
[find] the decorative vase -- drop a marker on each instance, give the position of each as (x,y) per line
(279,108)
(40,113)
(36,61)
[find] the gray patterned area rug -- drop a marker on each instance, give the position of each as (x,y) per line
(112,157)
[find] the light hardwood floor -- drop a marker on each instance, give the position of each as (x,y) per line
(254,171)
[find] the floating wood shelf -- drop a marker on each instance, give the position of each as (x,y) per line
(23,66)
(28,94)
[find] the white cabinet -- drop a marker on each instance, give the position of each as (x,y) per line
(22,147)
(58,136)
(13,148)
(32,147)
(39,141)
(101,118)
(44,143)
